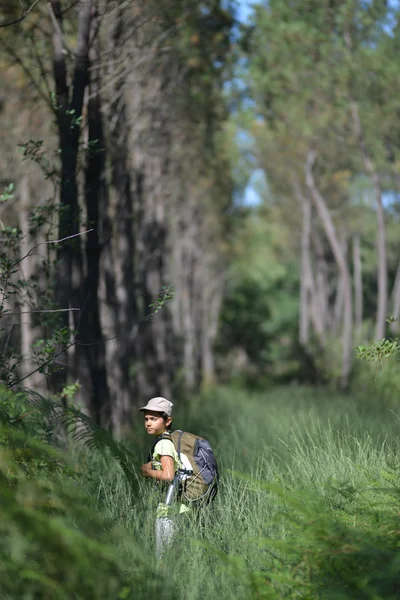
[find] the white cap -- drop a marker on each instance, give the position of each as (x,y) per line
(158,404)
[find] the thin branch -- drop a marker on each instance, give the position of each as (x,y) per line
(49,242)
(21,18)
(47,310)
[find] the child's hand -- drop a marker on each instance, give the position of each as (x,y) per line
(146,469)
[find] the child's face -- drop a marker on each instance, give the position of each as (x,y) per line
(154,423)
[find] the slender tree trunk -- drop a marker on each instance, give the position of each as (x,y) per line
(358,285)
(212,299)
(394,327)
(381,236)
(395,296)
(338,306)
(339,299)
(382,264)
(189,281)
(27,271)
(153,271)
(189,366)
(322,309)
(90,332)
(305,284)
(68,108)
(310,308)
(323,212)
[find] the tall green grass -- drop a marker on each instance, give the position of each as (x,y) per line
(306,474)
(307,507)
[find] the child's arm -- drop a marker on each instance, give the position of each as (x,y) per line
(167,472)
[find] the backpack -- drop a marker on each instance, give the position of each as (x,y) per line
(199,475)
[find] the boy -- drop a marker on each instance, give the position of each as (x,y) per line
(164,460)
(163,464)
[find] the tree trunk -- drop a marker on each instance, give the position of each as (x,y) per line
(90,333)
(396,302)
(395,296)
(381,314)
(339,299)
(321,301)
(323,212)
(305,274)
(165,160)
(153,271)
(358,286)
(310,305)
(188,289)
(68,108)
(212,299)
(150,113)
(27,271)
(119,307)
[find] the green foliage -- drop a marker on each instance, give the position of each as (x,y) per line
(34,150)
(165,295)
(260,310)
(7,194)
(378,373)
(379,351)
(82,429)
(56,541)
(305,66)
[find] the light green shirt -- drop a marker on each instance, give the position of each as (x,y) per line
(166,448)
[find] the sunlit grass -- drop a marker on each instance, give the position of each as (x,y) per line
(319,447)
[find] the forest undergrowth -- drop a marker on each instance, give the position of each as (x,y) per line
(307,508)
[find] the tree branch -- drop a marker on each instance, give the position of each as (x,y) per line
(21,18)
(50,242)
(45,310)
(57,27)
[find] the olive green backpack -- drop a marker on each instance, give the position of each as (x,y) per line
(199,473)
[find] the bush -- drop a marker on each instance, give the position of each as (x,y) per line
(55,542)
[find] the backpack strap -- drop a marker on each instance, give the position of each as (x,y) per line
(182,471)
(150,454)
(179,443)
(163,436)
